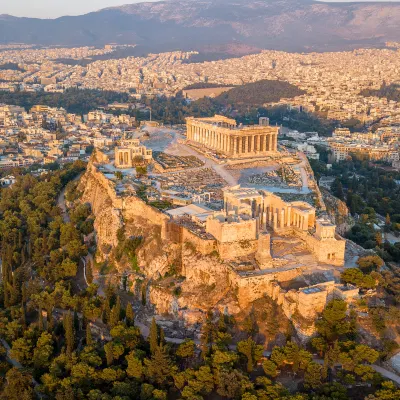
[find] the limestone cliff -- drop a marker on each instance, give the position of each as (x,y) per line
(206,284)
(338,212)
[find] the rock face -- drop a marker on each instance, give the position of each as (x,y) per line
(338,212)
(292,25)
(206,281)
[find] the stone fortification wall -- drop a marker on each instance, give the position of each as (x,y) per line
(324,249)
(203,246)
(133,207)
(232,231)
(231,250)
(255,286)
(180,234)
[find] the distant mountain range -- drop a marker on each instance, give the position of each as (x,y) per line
(218,25)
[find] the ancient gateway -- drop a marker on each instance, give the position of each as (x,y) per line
(222,134)
(130,153)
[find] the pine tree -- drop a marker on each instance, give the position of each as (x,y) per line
(159,368)
(130,315)
(153,337)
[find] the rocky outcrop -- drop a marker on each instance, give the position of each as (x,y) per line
(206,284)
(338,212)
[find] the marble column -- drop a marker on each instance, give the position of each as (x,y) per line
(270,143)
(289,211)
(282,224)
(275,220)
(305,223)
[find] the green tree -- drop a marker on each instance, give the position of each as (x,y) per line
(43,351)
(89,338)
(18,386)
(153,336)
(313,375)
(22,350)
(368,264)
(135,366)
(129,315)
(185,350)
(89,272)
(388,391)
(270,368)
(333,323)
(159,368)
(68,324)
(252,351)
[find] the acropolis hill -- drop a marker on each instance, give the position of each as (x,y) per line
(256,244)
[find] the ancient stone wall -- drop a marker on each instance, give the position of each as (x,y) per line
(229,251)
(232,231)
(203,246)
(330,251)
(255,286)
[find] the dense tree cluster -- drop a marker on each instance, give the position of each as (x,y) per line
(259,93)
(79,101)
(11,66)
(391,92)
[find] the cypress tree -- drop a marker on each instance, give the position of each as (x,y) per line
(23,290)
(89,338)
(118,308)
(41,325)
(89,272)
(23,316)
(153,337)
(106,311)
(76,321)
(114,317)
(69,332)
(130,315)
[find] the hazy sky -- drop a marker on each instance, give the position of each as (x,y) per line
(57,8)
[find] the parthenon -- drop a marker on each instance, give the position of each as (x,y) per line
(222,134)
